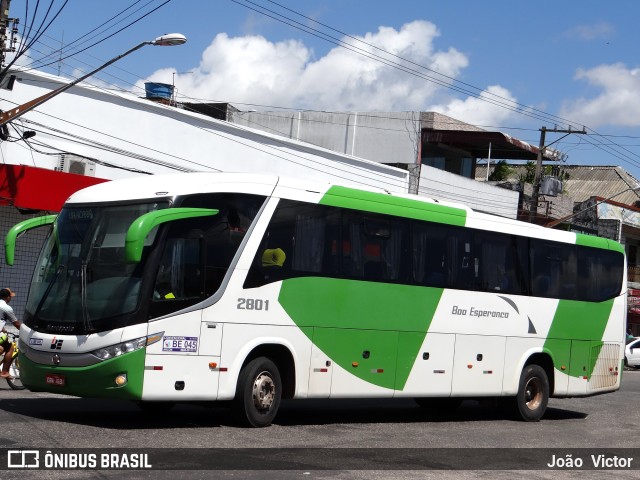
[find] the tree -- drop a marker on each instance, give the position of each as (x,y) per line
(501,172)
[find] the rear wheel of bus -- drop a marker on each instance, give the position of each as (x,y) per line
(533,394)
(258,393)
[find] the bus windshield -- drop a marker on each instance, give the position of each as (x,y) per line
(81,275)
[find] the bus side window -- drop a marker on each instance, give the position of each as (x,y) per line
(599,274)
(553,270)
(278,236)
(179,274)
(429,265)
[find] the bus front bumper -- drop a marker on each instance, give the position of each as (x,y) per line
(120,377)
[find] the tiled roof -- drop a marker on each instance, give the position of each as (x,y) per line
(587,181)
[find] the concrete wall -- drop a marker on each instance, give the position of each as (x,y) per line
(380,137)
(479,196)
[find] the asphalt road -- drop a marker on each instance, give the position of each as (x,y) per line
(337,439)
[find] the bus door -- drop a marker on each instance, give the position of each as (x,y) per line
(181,364)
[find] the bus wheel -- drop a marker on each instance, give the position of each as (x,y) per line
(533,394)
(14,370)
(258,393)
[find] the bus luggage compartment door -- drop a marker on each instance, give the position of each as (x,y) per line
(478,365)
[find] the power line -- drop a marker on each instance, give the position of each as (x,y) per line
(446,81)
(446,85)
(133,22)
(499,101)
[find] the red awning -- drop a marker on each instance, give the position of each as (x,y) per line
(32,188)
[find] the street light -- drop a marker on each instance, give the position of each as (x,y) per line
(167,40)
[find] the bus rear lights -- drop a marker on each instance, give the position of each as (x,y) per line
(377,370)
(121,380)
(213,365)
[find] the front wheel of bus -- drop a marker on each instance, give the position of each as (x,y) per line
(258,393)
(14,370)
(533,393)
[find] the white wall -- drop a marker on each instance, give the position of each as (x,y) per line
(166,139)
(479,196)
(384,137)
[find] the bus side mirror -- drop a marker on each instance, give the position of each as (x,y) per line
(141,226)
(16,230)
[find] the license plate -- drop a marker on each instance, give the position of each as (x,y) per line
(55,379)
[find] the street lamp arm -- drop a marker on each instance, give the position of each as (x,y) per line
(16,112)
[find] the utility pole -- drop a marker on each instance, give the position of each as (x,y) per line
(533,210)
(4,25)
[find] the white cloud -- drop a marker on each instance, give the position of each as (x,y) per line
(493,107)
(253,70)
(618,102)
(601,30)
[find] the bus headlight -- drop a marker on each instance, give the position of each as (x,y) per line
(113,351)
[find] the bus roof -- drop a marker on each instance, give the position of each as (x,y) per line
(357,197)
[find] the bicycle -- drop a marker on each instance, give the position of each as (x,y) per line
(14,368)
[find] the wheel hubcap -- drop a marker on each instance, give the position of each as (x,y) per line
(264,391)
(533,393)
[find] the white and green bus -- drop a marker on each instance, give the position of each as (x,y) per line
(252,289)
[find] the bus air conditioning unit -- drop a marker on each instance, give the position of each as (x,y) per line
(75,164)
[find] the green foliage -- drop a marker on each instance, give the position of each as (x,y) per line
(529,174)
(502,171)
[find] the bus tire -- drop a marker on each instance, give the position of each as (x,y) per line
(258,393)
(533,394)
(14,370)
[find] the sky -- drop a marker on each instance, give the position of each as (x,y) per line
(511,66)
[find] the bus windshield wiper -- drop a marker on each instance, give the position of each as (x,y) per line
(45,295)
(86,320)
